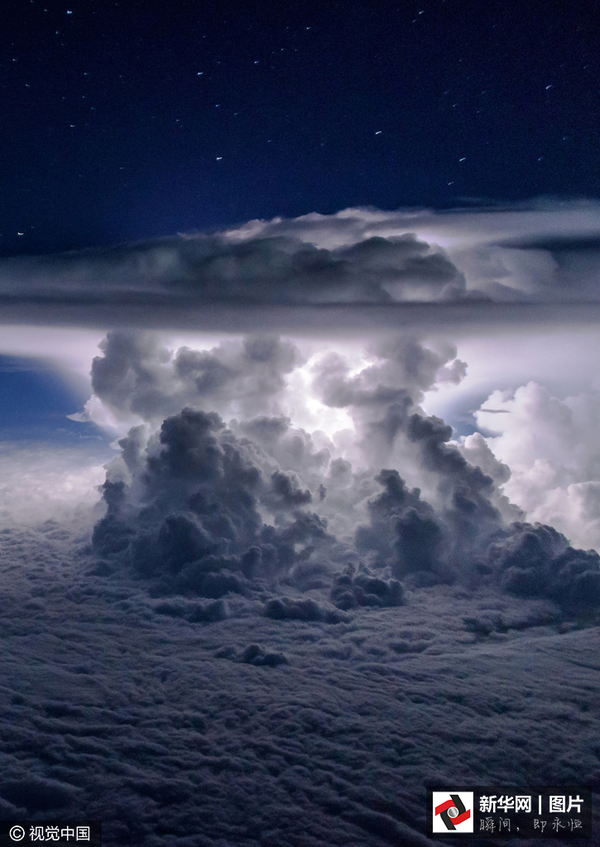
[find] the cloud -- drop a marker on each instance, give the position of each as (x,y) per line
(304,609)
(193,611)
(139,376)
(185,272)
(48,481)
(365,588)
(359,268)
(117,707)
(203,509)
(301,585)
(538,561)
(550,446)
(191,514)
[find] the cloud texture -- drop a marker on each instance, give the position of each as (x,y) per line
(206,509)
(361,267)
(304,597)
(179,728)
(550,445)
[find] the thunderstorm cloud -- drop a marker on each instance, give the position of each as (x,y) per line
(337,551)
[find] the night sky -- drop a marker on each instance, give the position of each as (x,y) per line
(131,120)
(299,415)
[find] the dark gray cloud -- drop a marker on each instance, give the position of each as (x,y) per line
(189,271)
(191,515)
(538,561)
(191,522)
(358,269)
(179,729)
(404,532)
(365,588)
(304,609)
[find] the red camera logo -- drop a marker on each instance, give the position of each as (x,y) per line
(452,811)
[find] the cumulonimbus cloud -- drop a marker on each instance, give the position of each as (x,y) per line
(345,549)
(202,508)
(218,486)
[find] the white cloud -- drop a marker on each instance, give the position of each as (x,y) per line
(552,449)
(43,481)
(69,347)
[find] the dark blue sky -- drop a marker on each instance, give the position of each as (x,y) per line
(129,120)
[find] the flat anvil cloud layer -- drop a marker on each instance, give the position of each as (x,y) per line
(359,268)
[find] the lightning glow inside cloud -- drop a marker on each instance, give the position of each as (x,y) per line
(350,450)
(350,334)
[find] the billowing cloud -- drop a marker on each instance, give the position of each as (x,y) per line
(551,447)
(360,268)
(222,457)
(191,514)
(139,376)
(203,508)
